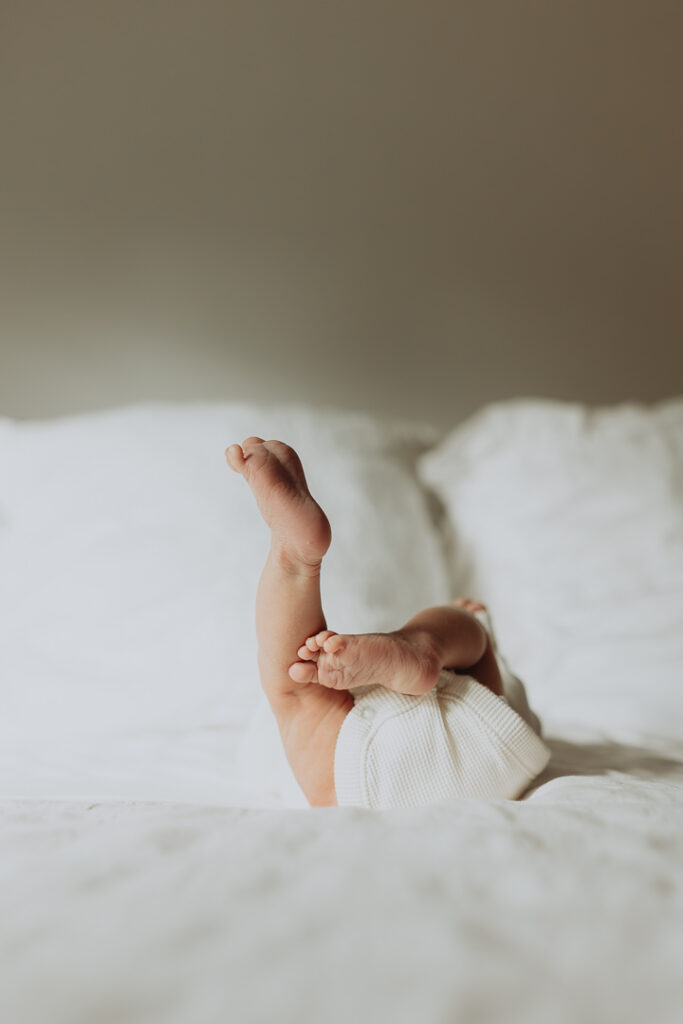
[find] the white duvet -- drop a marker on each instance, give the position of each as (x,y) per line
(144,878)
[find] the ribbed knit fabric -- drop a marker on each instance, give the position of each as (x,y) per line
(457,741)
(513,688)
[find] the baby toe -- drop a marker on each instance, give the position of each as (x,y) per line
(303,672)
(333,644)
(324,635)
(235,457)
(305,654)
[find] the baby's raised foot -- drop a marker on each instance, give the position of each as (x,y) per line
(299,527)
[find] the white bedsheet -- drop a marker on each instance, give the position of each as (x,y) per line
(566,908)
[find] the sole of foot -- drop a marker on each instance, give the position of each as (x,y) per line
(343,662)
(299,527)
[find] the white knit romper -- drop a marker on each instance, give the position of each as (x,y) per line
(457,741)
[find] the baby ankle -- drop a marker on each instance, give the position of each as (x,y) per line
(291,562)
(428,649)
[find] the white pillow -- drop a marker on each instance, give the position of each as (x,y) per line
(569,523)
(129,560)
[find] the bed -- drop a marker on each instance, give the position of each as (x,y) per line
(158,861)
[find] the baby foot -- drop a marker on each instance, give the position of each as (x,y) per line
(343,662)
(276,477)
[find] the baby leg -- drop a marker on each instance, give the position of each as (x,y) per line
(288,608)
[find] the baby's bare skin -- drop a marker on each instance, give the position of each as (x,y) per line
(288,609)
(408,660)
(307,670)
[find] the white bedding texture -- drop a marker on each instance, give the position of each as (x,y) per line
(158,862)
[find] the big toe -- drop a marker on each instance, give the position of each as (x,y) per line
(235,457)
(304,672)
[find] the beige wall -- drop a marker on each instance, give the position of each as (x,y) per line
(411,207)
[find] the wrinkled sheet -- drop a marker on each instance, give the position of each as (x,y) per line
(567,907)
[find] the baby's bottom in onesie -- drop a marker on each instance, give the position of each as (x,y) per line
(458,741)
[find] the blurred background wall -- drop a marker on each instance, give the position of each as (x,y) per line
(408,207)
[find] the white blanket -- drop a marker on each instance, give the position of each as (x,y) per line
(567,908)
